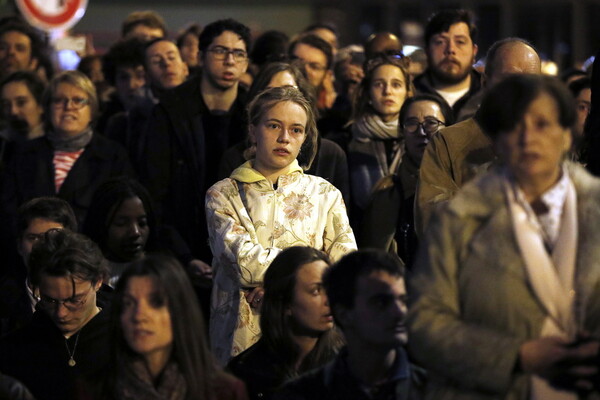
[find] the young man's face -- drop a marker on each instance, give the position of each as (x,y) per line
(315,63)
(379,312)
(128,82)
(223,71)
(15,53)
(451,54)
(34,232)
(164,67)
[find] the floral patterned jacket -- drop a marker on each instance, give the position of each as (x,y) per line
(249,223)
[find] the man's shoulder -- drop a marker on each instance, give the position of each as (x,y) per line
(462,136)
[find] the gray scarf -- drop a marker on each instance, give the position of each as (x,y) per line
(372,127)
(70,143)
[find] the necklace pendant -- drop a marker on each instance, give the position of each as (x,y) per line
(72,362)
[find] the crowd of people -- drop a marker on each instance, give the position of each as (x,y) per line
(223,216)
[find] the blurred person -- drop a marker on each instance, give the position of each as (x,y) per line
(20,47)
(326,31)
(297,328)
(450,46)
(315,56)
(459,152)
(504,293)
(388,221)
(266,205)
(367,296)
(18,297)
(581,89)
(12,389)
(330,161)
(70,161)
(190,129)
(377,144)
(67,338)
(418,63)
(571,74)
(158,347)
(188,44)
(144,25)
(21,96)
(382,42)
(270,46)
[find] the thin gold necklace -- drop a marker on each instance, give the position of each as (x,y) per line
(71,361)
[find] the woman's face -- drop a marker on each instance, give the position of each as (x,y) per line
(70,112)
(534,149)
(128,231)
(388,91)
(309,310)
(421,122)
(20,108)
(189,50)
(279,135)
(282,78)
(146,320)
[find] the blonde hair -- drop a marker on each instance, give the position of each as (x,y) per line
(81,82)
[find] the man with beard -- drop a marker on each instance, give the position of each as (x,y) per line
(451,51)
(20,47)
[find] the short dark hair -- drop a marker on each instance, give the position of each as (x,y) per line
(48,208)
(576,86)
(442,20)
(444,107)
(271,46)
(505,103)
(63,253)
(148,18)
(193,29)
(214,29)
(30,79)
(316,42)
(490,57)
(340,280)
(127,53)
(12,24)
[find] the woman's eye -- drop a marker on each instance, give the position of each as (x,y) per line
(298,131)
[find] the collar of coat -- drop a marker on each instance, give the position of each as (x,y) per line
(247,174)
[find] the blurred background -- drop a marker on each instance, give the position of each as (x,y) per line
(565,31)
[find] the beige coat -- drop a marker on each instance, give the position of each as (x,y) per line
(472,306)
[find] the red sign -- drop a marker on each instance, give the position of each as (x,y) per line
(52,14)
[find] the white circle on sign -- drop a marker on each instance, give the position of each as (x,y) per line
(51,7)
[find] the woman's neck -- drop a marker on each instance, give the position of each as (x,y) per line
(272,175)
(534,188)
(157,361)
(305,344)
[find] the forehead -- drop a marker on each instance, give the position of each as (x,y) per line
(309,53)
(425,108)
(287,111)
(164,46)
(311,272)
(15,88)
(517,58)
(61,287)
(379,283)
(140,286)
(456,29)
(41,225)
(64,87)
(229,39)
(15,37)
(388,71)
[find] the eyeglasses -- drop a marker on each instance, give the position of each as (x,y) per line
(221,53)
(429,125)
(315,66)
(73,303)
(76,102)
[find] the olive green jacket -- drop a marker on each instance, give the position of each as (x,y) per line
(471,303)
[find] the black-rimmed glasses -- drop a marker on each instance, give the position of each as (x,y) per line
(429,125)
(221,53)
(73,303)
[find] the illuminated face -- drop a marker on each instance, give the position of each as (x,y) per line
(146,320)
(309,311)
(224,72)
(165,68)
(279,136)
(20,108)
(583,102)
(534,149)
(128,231)
(282,78)
(379,312)
(34,232)
(388,91)
(189,49)
(451,54)
(422,116)
(69,302)
(128,82)
(315,63)
(15,53)
(67,117)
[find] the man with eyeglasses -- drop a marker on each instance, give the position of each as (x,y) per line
(457,153)
(67,338)
(190,129)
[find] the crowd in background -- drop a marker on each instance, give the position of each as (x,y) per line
(233,215)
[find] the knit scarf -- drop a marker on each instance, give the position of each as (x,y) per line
(136,383)
(371,127)
(70,143)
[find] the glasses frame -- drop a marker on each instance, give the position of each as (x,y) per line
(63,102)
(48,303)
(421,126)
(221,53)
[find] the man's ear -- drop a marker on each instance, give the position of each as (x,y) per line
(475,48)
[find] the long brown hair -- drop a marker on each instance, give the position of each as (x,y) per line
(279,285)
